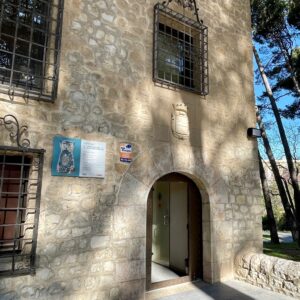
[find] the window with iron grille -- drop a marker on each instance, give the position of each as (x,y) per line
(20,188)
(30,32)
(180,51)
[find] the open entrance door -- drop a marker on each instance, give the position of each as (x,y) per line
(174,232)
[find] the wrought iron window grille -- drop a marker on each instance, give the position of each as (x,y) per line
(180,48)
(20,192)
(30,34)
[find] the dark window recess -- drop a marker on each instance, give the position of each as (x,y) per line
(180,51)
(20,182)
(12,210)
(30,32)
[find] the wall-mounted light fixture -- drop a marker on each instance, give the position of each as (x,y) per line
(254,132)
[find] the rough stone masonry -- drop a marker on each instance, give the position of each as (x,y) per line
(92,232)
(279,275)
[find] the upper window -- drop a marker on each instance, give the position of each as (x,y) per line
(30,32)
(180,51)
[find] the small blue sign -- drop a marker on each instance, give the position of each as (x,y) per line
(125,153)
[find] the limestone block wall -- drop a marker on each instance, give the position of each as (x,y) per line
(92,232)
(280,275)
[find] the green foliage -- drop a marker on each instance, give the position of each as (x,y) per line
(292,111)
(284,81)
(294,13)
(267,17)
(284,250)
(281,223)
(278,211)
(275,25)
(265,223)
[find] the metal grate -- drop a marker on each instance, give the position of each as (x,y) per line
(30,33)
(180,51)
(20,189)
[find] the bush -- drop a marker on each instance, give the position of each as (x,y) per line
(265,223)
(281,223)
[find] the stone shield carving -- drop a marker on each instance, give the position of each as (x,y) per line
(180,121)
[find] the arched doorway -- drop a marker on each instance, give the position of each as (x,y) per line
(174,232)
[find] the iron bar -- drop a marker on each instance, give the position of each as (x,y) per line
(38,193)
(27,59)
(20,193)
(179,51)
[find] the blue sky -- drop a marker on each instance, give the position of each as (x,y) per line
(292,126)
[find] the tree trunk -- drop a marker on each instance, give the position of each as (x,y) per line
(268,203)
(290,217)
(289,195)
(288,155)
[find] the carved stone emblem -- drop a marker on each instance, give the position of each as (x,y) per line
(180,121)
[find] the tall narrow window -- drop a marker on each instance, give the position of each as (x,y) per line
(30,32)
(180,51)
(13,201)
(20,187)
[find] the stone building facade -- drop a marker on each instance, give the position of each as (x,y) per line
(92,232)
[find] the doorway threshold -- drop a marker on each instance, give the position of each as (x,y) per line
(162,273)
(170,282)
(171,289)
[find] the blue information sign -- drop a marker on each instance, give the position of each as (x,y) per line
(78,158)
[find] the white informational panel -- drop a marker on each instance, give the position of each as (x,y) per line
(92,159)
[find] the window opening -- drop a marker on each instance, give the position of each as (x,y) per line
(20,189)
(30,32)
(13,201)
(180,51)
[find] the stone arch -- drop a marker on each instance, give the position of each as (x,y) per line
(206,224)
(130,211)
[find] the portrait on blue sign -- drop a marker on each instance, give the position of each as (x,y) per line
(66,156)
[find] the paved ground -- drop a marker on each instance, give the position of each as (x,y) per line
(228,290)
(161,273)
(284,236)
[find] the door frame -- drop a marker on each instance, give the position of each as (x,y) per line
(171,177)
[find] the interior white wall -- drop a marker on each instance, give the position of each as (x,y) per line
(178,225)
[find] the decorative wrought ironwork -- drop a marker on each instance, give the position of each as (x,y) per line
(21,170)
(30,33)
(190,4)
(11,123)
(180,54)
(20,194)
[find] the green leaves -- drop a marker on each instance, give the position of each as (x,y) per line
(293,17)
(268,17)
(276,26)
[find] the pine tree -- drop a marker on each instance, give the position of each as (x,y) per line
(290,163)
(276,24)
